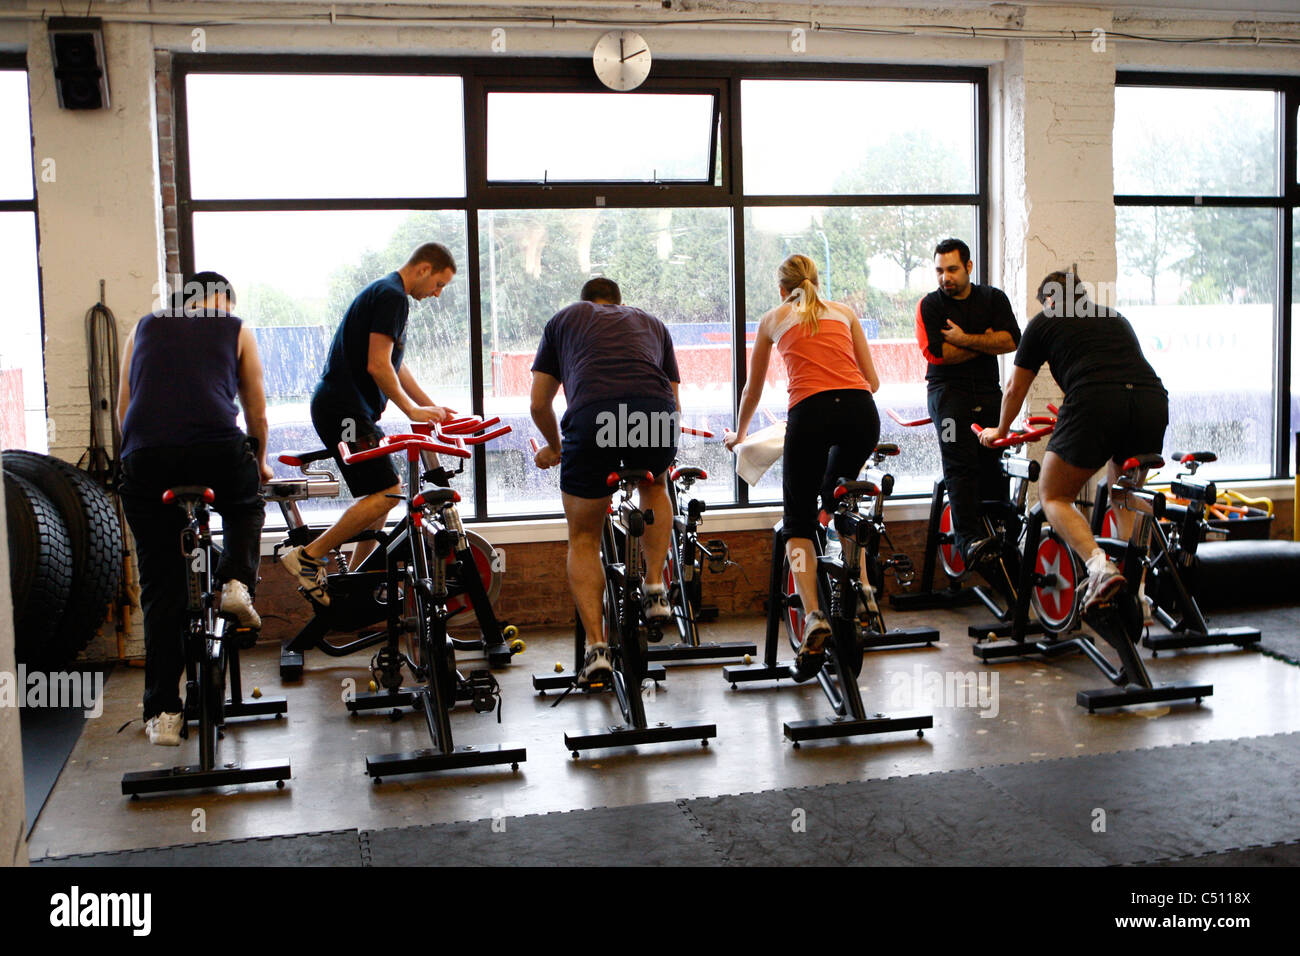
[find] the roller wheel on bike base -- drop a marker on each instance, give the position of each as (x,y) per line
(950,558)
(1058,575)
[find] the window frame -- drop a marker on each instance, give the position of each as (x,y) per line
(481,75)
(1284,204)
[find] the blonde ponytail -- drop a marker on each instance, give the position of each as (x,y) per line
(798,274)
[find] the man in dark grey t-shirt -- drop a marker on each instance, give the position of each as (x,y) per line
(620,379)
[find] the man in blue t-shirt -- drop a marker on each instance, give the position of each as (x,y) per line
(620,380)
(363,373)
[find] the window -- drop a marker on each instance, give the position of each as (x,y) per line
(527,189)
(22,352)
(1199,233)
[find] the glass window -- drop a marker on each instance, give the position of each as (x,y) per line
(605,137)
(879,261)
(22,354)
(1177,141)
(868,138)
(295,273)
(269,136)
(1198,285)
(15,137)
(673,263)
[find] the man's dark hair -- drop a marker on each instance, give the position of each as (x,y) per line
(437,255)
(1069,296)
(202,285)
(953,245)
(603,289)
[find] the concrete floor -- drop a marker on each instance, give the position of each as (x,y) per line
(1036,718)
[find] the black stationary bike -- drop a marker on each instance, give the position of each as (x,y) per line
(211,662)
(1052,581)
(627,633)
(841,593)
(417,598)
(357,601)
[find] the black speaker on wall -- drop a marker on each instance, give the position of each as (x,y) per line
(80,73)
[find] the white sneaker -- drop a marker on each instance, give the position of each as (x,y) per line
(654,604)
(309,572)
(1102,585)
(596,667)
(236,602)
(164,730)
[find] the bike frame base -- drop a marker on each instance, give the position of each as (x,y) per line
(563,680)
(624,736)
(827,728)
(984,632)
(195,777)
(699,652)
(901,637)
(742,673)
(429,761)
(1134,694)
(1241,636)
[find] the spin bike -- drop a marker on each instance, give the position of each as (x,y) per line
(357,595)
(212,647)
(1176,542)
(1002,519)
(841,593)
(416,558)
(628,634)
(684,567)
(1052,581)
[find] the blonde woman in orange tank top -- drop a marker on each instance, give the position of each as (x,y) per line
(832,427)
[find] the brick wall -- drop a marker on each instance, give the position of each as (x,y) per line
(167,158)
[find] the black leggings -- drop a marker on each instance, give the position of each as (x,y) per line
(828,436)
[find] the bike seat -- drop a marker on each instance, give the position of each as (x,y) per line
(436,497)
(628,474)
(1203,457)
(297,459)
(859,489)
(184,493)
(1144,461)
(690,474)
(888,449)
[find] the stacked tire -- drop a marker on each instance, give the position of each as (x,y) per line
(65,557)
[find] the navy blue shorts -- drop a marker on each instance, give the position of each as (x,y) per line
(617,433)
(330,419)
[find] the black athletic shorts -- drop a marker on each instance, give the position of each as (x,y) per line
(1110,423)
(616,433)
(332,419)
(828,436)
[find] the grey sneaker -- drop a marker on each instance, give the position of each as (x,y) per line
(1102,586)
(654,605)
(237,603)
(808,661)
(309,572)
(164,730)
(596,666)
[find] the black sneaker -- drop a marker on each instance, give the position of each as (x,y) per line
(982,554)
(811,656)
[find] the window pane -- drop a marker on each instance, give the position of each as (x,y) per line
(1171,141)
(673,263)
(22,356)
(619,137)
(15,137)
(877,260)
(295,273)
(1198,286)
(863,137)
(326,137)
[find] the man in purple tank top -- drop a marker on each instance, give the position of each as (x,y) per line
(183,369)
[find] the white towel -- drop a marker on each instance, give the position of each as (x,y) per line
(759,452)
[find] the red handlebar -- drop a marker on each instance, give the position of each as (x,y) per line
(535,445)
(906,424)
(700,432)
(396,443)
(1017,438)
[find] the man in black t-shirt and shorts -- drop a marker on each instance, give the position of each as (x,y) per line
(1115,408)
(364,371)
(960,327)
(619,373)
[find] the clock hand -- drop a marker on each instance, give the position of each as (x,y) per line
(637,53)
